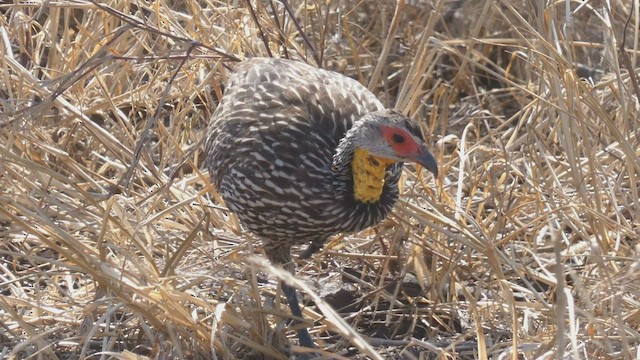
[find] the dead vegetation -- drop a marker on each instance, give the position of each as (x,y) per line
(114,245)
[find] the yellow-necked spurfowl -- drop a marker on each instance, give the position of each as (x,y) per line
(300,154)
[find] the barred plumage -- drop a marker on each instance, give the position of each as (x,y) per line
(300,154)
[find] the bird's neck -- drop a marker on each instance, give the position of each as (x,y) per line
(360,175)
(368,175)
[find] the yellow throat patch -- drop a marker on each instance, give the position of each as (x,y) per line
(368,175)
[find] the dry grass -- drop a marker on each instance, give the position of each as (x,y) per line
(114,245)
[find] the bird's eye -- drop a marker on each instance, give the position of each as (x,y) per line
(397,138)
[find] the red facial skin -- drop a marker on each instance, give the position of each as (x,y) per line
(401,142)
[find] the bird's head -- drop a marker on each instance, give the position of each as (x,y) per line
(376,141)
(388,136)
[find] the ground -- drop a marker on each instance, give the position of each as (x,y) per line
(114,244)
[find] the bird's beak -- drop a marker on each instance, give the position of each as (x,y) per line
(427,160)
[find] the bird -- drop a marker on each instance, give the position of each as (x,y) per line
(300,154)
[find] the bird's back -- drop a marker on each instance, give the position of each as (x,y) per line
(271,145)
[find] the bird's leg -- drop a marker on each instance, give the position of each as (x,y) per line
(303,334)
(281,254)
(311,249)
